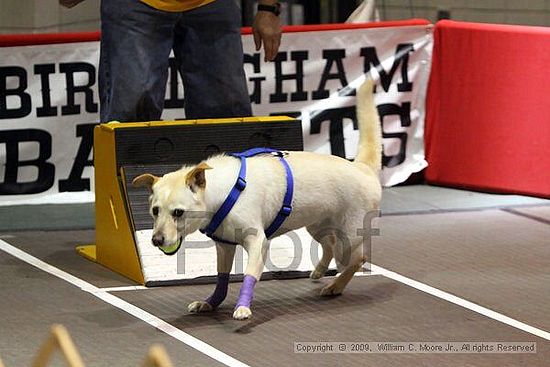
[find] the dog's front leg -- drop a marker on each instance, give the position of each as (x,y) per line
(256,247)
(225,255)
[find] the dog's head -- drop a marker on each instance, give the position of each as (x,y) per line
(176,203)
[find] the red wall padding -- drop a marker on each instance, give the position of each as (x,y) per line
(488,108)
(10,40)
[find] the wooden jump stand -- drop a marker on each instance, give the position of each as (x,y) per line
(159,147)
(60,340)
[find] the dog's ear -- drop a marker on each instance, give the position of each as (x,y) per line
(145,180)
(196,177)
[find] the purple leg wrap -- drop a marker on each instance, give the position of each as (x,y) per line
(247,291)
(220,292)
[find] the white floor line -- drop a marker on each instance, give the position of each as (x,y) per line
(361,273)
(124,288)
(461,302)
(129,308)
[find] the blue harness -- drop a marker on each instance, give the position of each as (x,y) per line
(239,187)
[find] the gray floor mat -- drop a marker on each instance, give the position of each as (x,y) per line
(373,309)
(494,258)
(32,300)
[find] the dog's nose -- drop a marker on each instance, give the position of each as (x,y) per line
(158,240)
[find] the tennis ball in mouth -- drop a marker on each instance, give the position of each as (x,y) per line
(172,249)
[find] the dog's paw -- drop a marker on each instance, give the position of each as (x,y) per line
(331,290)
(242,313)
(318,273)
(199,306)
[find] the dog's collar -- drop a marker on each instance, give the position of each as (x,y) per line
(239,187)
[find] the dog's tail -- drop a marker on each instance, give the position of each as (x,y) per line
(369,151)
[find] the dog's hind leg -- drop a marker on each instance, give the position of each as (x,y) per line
(327,239)
(351,259)
(225,255)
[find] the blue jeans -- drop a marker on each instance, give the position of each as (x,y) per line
(136,41)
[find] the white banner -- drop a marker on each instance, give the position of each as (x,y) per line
(49,104)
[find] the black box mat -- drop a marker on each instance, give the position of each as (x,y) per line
(192,143)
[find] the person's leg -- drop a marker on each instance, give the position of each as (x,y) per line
(208,47)
(136,41)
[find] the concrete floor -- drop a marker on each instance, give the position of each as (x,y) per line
(490,250)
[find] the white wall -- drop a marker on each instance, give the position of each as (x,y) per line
(526,12)
(47,16)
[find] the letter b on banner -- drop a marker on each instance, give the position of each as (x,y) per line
(46,170)
(18,92)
